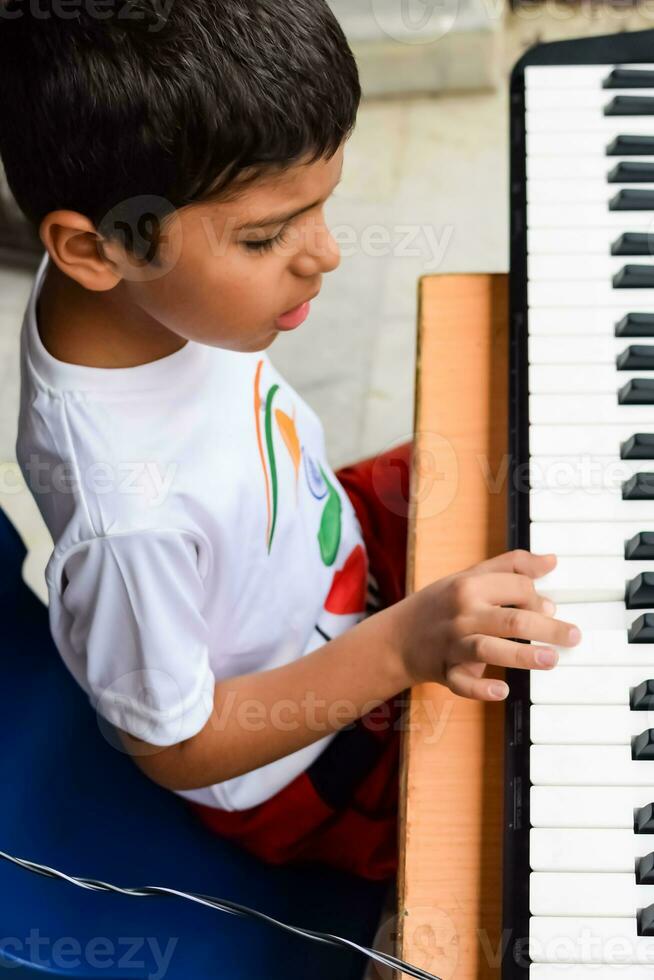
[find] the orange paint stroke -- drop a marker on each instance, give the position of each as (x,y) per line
(289,433)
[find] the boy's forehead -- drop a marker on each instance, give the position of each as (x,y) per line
(299,184)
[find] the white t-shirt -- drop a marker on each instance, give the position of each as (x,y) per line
(199,534)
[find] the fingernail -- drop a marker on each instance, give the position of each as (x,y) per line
(574,635)
(549,608)
(545,658)
(498,691)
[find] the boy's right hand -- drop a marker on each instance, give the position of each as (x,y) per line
(449,631)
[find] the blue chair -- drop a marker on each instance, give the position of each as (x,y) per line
(72,802)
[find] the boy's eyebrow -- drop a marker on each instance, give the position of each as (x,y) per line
(280,219)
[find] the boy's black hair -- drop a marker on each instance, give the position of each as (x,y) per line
(103,102)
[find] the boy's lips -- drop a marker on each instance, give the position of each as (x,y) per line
(293,318)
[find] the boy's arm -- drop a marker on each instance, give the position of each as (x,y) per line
(261,717)
(447,632)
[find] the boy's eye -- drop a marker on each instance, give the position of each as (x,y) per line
(265,245)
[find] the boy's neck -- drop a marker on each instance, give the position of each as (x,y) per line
(81,326)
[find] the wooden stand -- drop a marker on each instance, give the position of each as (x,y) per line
(452,779)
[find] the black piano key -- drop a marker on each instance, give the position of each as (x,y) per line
(645,921)
(629,78)
(638,391)
(627,172)
(636,358)
(644,819)
(634,277)
(645,870)
(639,446)
(642,746)
(639,593)
(640,547)
(630,105)
(639,487)
(642,631)
(631,146)
(631,199)
(641,698)
(633,243)
(635,325)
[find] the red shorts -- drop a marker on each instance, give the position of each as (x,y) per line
(342,810)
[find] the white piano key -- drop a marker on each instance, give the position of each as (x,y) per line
(588,806)
(598,615)
(570,77)
(579,440)
(559,123)
(587,539)
(588,504)
(567,322)
(586,242)
(588,765)
(594,579)
(605,648)
(587,849)
(561,379)
(589,724)
(587,894)
(587,216)
(586,292)
(562,267)
(593,409)
(590,100)
(583,166)
(585,191)
(612,971)
(596,349)
(575,144)
(591,472)
(588,940)
(590,685)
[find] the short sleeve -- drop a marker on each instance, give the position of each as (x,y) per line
(132,627)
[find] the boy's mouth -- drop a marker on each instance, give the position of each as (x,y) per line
(295,317)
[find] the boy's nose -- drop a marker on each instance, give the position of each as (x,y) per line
(319,255)
(332,256)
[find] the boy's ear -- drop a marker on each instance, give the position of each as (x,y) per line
(78,250)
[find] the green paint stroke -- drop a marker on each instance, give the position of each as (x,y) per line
(271,459)
(329,535)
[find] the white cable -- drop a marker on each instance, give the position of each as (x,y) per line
(232,908)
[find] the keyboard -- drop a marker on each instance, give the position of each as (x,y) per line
(579,809)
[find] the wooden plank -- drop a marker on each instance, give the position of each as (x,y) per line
(452,772)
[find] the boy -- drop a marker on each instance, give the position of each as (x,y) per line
(209,576)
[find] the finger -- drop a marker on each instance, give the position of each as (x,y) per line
(509,589)
(462,681)
(518,561)
(523,624)
(507,653)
